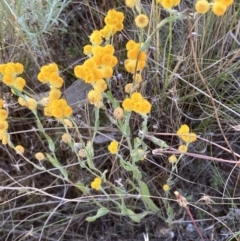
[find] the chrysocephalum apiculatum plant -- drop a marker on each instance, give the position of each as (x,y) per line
(97,70)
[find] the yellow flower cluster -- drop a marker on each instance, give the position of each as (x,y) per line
(3,124)
(167,4)
(10,72)
(99,66)
(30,103)
(101,62)
(96,183)
(53,104)
(49,74)
(137,104)
(114,21)
(219,7)
(185,135)
(58,108)
(136,58)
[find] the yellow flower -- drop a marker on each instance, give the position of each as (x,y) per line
(19,83)
(118,113)
(202,6)
(94,97)
(114,19)
(219,9)
(146,107)
(167,3)
(96,184)
(183,130)
(82,153)
(55,80)
(137,78)
(31,104)
(8,79)
(57,113)
(128,88)
(52,67)
(4,138)
(183,133)
(66,138)
(87,49)
(133,53)
(39,156)
(166,187)
(183,148)
(227,3)
(172,159)
(18,68)
(10,69)
(67,111)
(100,85)
(107,72)
(3,114)
(131,44)
(21,101)
(107,31)
(127,104)
(96,37)
(130,3)
(3,125)
(113,147)
(141,21)
(19,149)
(54,94)
(136,97)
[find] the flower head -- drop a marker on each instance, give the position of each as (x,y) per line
(130,3)
(39,156)
(202,6)
(66,138)
(166,187)
(19,149)
(96,183)
(3,114)
(128,88)
(113,147)
(3,125)
(141,20)
(94,97)
(96,37)
(219,8)
(172,159)
(183,148)
(118,113)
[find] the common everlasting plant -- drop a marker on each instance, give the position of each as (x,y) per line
(128,150)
